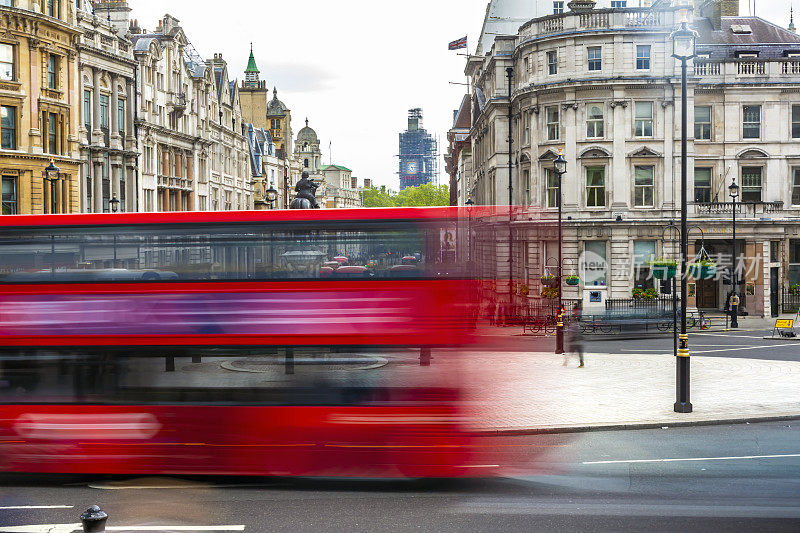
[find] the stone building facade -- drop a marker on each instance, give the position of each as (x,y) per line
(192,138)
(601,86)
(39,102)
(108,147)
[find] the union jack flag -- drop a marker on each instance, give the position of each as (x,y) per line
(457,45)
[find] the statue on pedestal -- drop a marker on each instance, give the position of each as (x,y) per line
(306,194)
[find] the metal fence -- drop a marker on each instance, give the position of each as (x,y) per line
(657,306)
(790,302)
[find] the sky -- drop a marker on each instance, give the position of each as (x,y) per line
(352,67)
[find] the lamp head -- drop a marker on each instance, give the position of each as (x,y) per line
(52,169)
(470,201)
(271,194)
(733,189)
(684,42)
(559,163)
(114,202)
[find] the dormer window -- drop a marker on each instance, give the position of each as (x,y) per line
(741,29)
(746,55)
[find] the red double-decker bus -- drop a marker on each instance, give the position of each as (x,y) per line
(232,343)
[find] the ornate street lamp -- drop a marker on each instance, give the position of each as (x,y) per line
(560,167)
(52,176)
(114,203)
(733,190)
(684,48)
(271,196)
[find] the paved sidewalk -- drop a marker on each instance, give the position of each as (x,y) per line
(532,392)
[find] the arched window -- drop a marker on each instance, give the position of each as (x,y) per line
(305,163)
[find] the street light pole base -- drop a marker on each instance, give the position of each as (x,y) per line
(560,339)
(683,407)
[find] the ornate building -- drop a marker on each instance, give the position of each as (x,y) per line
(107,139)
(601,85)
(39,102)
(192,138)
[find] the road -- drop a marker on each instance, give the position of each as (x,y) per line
(744,343)
(713,478)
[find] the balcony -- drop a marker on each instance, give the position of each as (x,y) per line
(177,102)
(736,69)
(171,182)
(600,19)
(742,208)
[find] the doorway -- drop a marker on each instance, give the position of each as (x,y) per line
(707,297)
(774,289)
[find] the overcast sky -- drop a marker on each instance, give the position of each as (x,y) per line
(353,67)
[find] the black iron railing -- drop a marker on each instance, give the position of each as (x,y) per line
(655,305)
(790,302)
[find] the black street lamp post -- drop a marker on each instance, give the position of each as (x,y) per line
(684,41)
(510,308)
(560,166)
(52,176)
(733,190)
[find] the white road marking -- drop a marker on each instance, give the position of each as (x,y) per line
(37,507)
(727,336)
(750,348)
(70,528)
(688,459)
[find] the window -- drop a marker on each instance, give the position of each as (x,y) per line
(751,184)
(643,186)
(643,125)
(796,186)
(526,65)
(796,122)
(553,127)
(51,8)
(6,62)
(305,163)
(595,58)
(203,202)
(121,115)
(751,122)
(87,109)
(52,137)
(594,263)
(702,185)
(104,111)
(644,252)
(52,80)
(595,186)
(595,123)
(643,57)
(8,127)
(9,195)
(558,7)
(526,128)
(7,3)
(552,62)
(618,4)
(552,187)
(702,123)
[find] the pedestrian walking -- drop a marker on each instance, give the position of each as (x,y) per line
(574,344)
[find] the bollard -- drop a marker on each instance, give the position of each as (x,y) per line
(170,364)
(94,520)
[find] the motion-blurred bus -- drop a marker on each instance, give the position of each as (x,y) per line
(218,343)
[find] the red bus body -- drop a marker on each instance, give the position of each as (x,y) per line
(412,430)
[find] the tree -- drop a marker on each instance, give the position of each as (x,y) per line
(420,196)
(423,196)
(376,198)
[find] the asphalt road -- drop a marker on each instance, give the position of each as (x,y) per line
(744,344)
(743,478)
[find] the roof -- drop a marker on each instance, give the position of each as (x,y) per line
(325,168)
(307,134)
(765,36)
(141,43)
(251,65)
(275,107)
